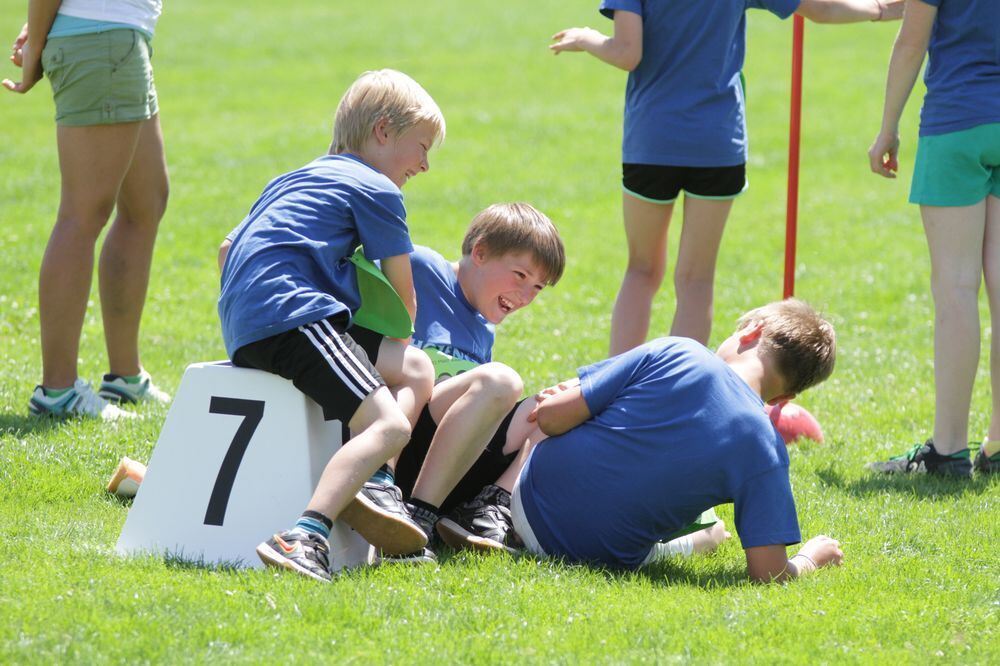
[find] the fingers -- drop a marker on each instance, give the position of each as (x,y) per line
(533,415)
(560,34)
(17,57)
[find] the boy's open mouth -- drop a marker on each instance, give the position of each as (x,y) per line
(505,306)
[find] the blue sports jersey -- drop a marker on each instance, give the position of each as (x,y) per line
(684,102)
(289,260)
(963,67)
(445,318)
(674,432)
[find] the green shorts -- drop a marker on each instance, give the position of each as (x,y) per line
(101,78)
(958,168)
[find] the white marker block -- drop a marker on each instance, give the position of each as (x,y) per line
(237,460)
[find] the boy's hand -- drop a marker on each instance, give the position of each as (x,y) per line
(883,156)
(575,39)
(820,551)
(891,10)
(547,393)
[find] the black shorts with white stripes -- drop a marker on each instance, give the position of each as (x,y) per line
(322,361)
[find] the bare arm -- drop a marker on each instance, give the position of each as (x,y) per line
(398,271)
(850,11)
(27,48)
(771,564)
(224,252)
(904,66)
(561,408)
(623,50)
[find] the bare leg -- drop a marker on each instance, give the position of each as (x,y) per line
(468,409)
(522,436)
(93,162)
(991,274)
(408,373)
(646,226)
(383,431)
(128,249)
(694,275)
(955,238)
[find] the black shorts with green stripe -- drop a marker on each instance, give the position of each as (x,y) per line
(662,184)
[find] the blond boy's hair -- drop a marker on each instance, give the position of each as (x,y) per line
(379,94)
(802,345)
(518,227)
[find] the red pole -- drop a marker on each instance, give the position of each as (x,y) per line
(794,132)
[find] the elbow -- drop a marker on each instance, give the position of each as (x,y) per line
(631,61)
(546,423)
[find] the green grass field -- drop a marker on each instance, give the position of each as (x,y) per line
(248,91)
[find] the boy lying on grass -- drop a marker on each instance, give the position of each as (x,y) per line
(639,444)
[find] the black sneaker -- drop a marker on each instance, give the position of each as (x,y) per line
(483,523)
(306,554)
(985,464)
(426,520)
(377,513)
(924,458)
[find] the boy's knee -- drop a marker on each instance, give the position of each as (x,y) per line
(396,431)
(501,383)
(418,371)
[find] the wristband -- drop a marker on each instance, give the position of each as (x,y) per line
(811,561)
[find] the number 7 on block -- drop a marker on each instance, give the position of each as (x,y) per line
(252,412)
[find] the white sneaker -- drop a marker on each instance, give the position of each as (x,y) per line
(79,400)
(117,389)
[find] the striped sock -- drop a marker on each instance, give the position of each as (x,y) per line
(313,522)
(383,476)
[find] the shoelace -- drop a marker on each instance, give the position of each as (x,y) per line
(321,550)
(910,454)
(88,401)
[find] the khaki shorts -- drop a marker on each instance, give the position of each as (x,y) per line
(101,78)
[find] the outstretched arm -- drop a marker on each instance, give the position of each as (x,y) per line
(904,66)
(771,564)
(623,50)
(850,11)
(26,51)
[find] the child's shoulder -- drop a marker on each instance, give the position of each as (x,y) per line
(430,260)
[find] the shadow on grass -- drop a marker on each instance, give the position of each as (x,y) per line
(915,485)
(180,561)
(20,425)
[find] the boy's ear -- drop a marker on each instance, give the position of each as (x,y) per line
(381,130)
(749,335)
(479,254)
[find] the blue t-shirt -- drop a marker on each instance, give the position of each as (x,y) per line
(674,431)
(445,318)
(289,260)
(963,67)
(684,102)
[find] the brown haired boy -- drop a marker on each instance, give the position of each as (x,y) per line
(641,443)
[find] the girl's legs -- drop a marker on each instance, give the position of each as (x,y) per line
(694,275)
(128,248)
(955,236)
(646,226)
(991,274)
(93,161)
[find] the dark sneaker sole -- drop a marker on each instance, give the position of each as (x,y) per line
(116,398)
(272,558)
(460,538)
(388,532)
(417,558)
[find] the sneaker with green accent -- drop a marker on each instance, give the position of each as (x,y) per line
(924,459)
(78,400)
(130,390)
(985,464)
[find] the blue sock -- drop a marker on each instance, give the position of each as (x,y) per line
(313,522)
(383,476)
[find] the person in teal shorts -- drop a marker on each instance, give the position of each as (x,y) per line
(97,56)
(956,183)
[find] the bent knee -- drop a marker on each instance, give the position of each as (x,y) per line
(394,431)
(501,383)
(418,371)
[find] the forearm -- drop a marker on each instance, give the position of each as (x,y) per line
(843,11)
(612,50)
(904,67)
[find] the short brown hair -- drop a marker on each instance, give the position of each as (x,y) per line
(802,345)
(518,227)
(384,93)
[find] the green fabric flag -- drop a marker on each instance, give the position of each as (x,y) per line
(382,309)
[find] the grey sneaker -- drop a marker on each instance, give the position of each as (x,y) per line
(986,464)
(378,514)
(924,459)
(78,400)
(115,388)
(305,554)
